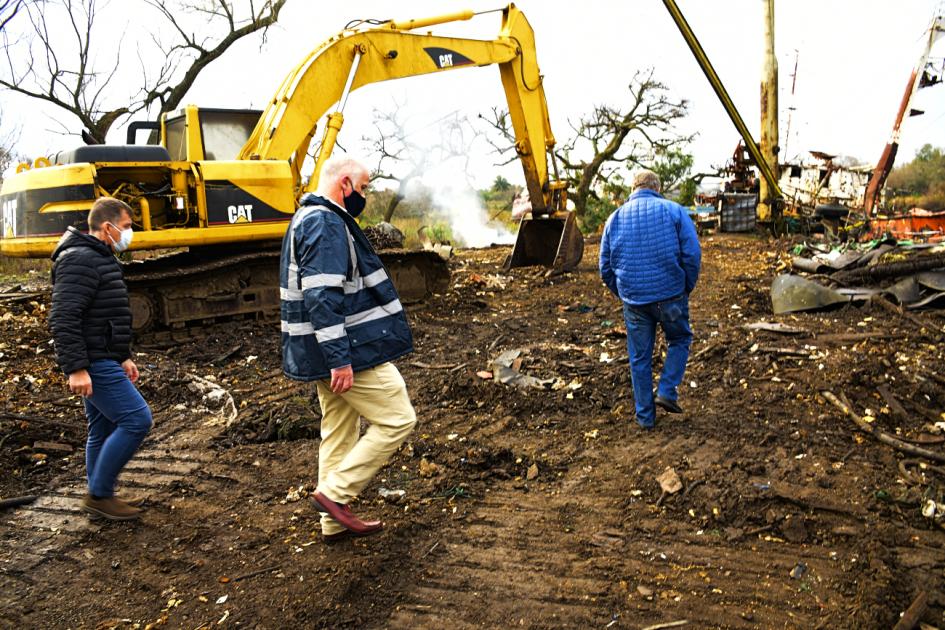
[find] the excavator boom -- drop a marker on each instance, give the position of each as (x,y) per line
(353,59)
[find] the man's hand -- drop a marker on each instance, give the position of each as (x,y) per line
(131,370)
(80,383)
(342,379)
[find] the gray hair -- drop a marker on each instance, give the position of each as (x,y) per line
(645,178)
(338,167)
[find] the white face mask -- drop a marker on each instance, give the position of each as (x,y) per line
(124,241)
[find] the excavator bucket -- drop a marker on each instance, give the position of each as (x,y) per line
(554,241)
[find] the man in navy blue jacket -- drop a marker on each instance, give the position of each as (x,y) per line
(342,325)
(650,259)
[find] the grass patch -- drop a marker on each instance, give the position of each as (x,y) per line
(23,270)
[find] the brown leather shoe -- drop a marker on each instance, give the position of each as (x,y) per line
(344,515)
(110,508)
(135,502)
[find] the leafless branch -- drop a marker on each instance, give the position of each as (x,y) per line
(403,156)
(63,71)
(8,11)
(612,138)
(503,144)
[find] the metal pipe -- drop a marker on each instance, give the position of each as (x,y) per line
(335,120)
(720,91)
(351,73)
(332,127)
(406,25)
(145,213)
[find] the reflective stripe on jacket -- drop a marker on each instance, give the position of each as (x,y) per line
(339,307)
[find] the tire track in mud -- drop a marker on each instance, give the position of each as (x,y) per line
(54,526)
(581,555)
(53,523)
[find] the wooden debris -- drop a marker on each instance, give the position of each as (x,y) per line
(792,352)
(708,350)
(227,355)
(434,366)
(845,337)
(9,415)
(52,447)
(15,298)
(669,624)
(759,530)
(883,437)
(775,327)
(892,402)
(888,306)
(914,613)
(13,502)
(246,576)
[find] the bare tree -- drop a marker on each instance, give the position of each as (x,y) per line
(402,157)
(8,153)
(610,139)
(8,11)
(66,72)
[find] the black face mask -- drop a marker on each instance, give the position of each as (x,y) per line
(354,203)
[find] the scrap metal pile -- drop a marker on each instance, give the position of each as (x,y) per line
(884,271)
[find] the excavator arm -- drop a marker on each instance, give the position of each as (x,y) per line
(354,59)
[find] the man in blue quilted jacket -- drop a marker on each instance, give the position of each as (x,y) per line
(342,325)
(650,259)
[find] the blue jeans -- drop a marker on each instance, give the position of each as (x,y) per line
(673,317)
(119,420)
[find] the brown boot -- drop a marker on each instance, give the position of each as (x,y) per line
(133,501)
(111,508)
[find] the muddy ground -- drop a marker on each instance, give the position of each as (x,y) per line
(531,508)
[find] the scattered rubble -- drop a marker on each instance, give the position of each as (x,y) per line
(771,474)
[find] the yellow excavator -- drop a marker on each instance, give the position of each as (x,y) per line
(220,185)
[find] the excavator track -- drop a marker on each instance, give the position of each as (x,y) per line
(208,284)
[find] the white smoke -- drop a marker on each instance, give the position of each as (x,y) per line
(461,206)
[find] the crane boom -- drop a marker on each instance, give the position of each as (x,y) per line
(888,157)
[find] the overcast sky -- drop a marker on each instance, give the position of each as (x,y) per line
(853,60)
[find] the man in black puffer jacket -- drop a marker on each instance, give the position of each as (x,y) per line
(91,327)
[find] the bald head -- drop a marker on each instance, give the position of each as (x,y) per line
(340,176)
(645,178)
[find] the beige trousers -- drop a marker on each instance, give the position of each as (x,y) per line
(347,464)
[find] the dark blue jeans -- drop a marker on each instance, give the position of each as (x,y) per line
(673,317)
(119,420)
